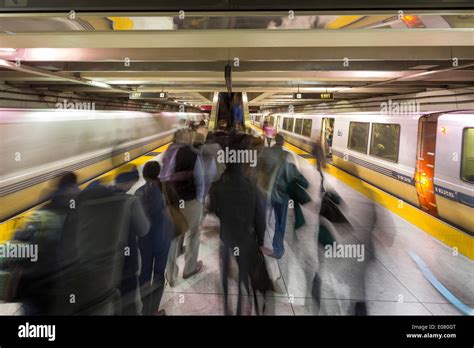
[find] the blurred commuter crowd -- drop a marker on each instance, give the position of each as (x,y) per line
(105,251)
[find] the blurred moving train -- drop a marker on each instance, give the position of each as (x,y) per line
(38,145)
(426,159)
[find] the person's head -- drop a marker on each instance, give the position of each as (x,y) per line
(279,140)
(199,139)
(238,127)
(67,180)
(151,170)
(66,189)
(222,125)
(202,123)
(182,136)
(211,138)
(127,178)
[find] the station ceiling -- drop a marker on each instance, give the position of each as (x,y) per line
(273,54)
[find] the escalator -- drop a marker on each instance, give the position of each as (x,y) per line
(230,112)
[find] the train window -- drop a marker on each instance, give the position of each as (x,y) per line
(291,121)
(307,124)
(358,136)
(385,141)
(285,123)
(467,162)
(299,125)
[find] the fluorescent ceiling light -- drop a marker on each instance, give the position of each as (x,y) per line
(98,84)
(7,49)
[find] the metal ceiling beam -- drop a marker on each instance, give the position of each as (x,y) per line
(243,66)
(59,76)
(452,70)
(222,54)
(229,5)
(240,13)
(261,97)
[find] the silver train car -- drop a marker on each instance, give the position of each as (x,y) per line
(38,145)
(426,159)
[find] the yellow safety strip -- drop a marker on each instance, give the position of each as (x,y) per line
(121,23)
(341,22)
(8,227)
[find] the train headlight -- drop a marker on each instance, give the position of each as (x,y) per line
(424,180)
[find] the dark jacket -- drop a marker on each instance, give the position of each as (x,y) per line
(237,203)
(185,162)
(108,223)
(241,210)
(157,242)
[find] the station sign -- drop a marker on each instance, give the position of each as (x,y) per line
(148,95)
(317,96)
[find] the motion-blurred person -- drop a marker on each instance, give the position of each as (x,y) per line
(281,176)
(237,113)
(202,128)
(212,168)
(186,180)
(222,133)
(182,137)
(346,276)
(155,245)
(198,140)
(104,277)
(130,290)
(268,132)
(318,152)
(43,231)
(235,201)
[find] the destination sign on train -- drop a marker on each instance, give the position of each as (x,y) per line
(148,95)
(318,96)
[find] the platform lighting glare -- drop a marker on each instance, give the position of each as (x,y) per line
(98,84)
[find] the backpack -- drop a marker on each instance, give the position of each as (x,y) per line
(41,228)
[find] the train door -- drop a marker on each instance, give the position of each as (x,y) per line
(425,163)
(327,132)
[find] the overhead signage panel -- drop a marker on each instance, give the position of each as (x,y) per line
(148,95)
(316,96)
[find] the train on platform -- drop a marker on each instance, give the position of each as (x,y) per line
(38,145)
(425,159)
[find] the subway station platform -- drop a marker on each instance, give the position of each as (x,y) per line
(388,279)
(394,284)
